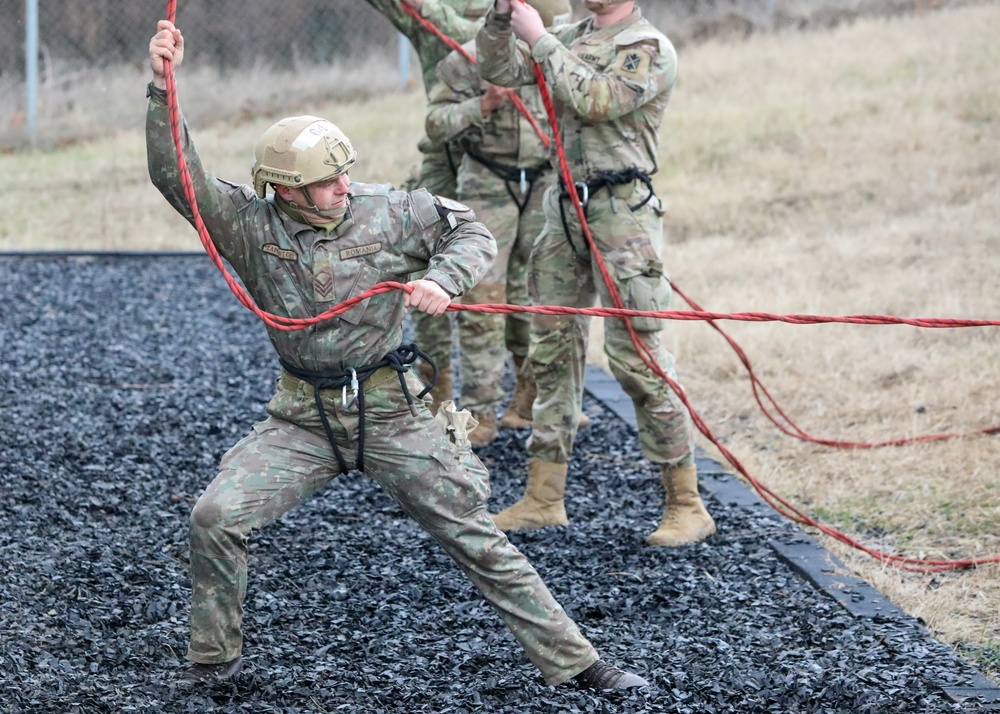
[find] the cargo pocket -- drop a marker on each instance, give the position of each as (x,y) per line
(647,290)
(366,277)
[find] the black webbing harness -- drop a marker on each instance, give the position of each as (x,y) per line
(604,179)
(510,175)
(399,360)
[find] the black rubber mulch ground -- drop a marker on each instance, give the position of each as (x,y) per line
(122,383)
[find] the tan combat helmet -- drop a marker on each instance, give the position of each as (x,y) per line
(299,151)
(553,12)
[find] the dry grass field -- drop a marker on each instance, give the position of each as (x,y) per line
(855,170)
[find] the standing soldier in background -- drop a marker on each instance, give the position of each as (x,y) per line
(611,76)
(317,241)
(503,175)
(460,20)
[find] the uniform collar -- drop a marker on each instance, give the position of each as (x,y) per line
(614,29)
(306,234)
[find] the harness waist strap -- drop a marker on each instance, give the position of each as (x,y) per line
(380,377)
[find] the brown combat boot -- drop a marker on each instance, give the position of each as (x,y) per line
(487,431)
(517,415)
(542,503)
(443,390)
(197,674)
(518,412)
(601,675)
(685,520)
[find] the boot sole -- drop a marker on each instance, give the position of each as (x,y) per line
(675,542)
(528,527)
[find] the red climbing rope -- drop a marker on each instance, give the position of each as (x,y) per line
(789,427)
(781,505)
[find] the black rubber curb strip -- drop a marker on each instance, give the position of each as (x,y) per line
(800,551)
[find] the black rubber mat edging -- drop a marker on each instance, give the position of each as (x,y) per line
(802,553)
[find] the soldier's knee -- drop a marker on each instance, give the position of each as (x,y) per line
(205,516)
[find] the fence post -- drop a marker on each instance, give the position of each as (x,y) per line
(31,67)
(403,51)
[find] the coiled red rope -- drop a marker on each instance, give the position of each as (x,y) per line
(781,505)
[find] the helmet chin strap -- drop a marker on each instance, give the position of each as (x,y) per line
(297,211)
(334,214)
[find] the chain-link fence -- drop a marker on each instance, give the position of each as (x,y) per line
(91,61)
(251,56)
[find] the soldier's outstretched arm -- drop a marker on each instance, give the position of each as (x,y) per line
(442,14)
(639,73)
(459,27)
(502,58)
(219,202)
(393,11)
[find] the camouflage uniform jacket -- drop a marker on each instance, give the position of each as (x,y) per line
(294,270)
(611,86)
(505,136)
(459,19)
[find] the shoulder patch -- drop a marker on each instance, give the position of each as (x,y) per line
(632,61)
(453,211)
(451,204)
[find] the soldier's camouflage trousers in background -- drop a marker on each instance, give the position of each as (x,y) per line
(563,273)
(435,478)
(485,338)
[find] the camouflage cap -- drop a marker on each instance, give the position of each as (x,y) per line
(298,151)
(553,12)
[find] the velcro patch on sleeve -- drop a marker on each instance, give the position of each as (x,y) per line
(453,211)
(634,60)
(424,208)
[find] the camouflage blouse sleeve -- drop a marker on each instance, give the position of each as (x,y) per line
(401,20)
(459,27)
(502,58)
(454,107)
(638,73)
(458,249)
(219,202)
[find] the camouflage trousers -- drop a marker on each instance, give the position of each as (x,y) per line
(436,480)
(485,338)
(563,273)
(437,175)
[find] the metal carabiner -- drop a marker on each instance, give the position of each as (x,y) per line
(524,183)
(354,390)
(582,192)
